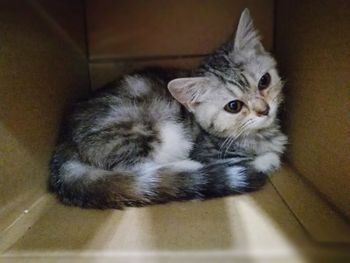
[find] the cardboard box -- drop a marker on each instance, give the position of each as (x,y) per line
(52,52)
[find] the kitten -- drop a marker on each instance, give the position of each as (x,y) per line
(159,136)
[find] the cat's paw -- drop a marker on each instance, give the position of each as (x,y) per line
(267,162)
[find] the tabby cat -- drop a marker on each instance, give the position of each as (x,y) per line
(163,135)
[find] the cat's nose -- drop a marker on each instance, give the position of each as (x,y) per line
(263,112)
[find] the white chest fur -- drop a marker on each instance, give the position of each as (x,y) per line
(175,143)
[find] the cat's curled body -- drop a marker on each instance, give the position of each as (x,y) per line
(157,136)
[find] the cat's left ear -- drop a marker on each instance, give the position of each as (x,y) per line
(189,91)
(247,37)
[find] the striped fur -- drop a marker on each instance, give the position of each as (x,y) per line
(163,135)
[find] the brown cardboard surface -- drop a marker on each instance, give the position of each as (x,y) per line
(257,227)
(103,72)
(318,218)
(68,18)
(41,68)
(224,227)
(124,29)
(312,43)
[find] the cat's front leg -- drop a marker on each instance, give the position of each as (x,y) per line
(267,162)
(268,155)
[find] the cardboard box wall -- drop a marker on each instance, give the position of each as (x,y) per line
(44,66)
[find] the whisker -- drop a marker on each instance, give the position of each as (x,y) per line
(240,130)
(222,147)
(228,147)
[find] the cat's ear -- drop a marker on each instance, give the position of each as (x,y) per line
(189,91)
(247,37)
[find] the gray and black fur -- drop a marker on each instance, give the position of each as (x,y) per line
(162,135)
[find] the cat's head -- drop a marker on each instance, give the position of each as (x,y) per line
(237,90)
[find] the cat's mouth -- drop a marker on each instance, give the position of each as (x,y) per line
(262,122)
(258,123)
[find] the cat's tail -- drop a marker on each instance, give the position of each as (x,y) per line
(79,184)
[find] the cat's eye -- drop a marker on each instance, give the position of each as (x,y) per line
(264,82)
(234,106)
